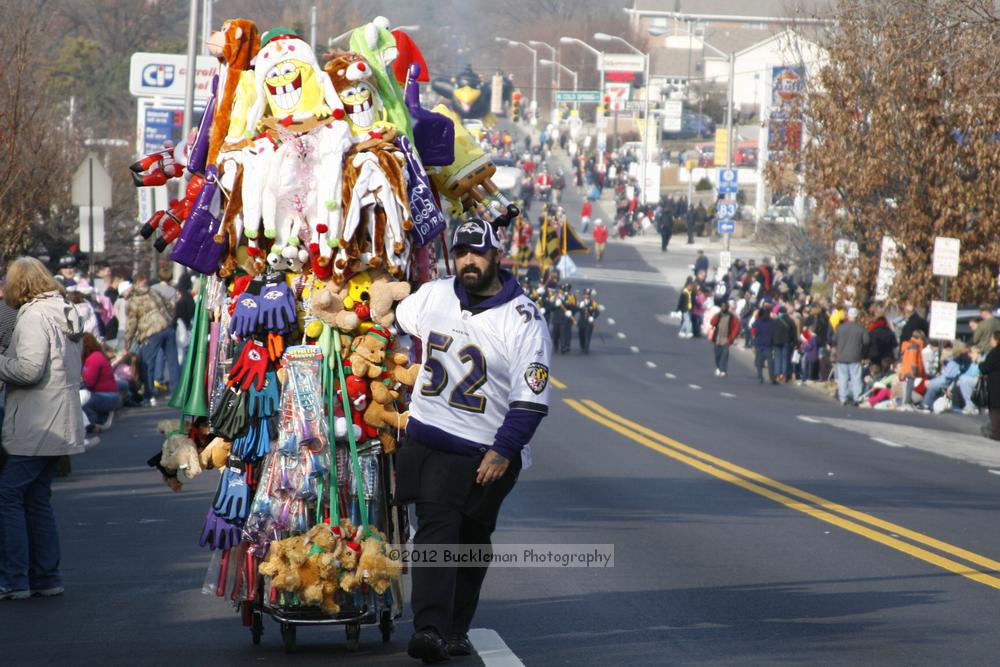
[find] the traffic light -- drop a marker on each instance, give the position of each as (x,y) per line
(515,106)
(606,105)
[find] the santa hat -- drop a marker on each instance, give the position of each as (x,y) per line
(275,45)
(380,332)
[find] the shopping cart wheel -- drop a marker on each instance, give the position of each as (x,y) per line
(353,635)
(256,626)
(386,625)
(288,636)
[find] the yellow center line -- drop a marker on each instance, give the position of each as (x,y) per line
(556,383)
(724,470)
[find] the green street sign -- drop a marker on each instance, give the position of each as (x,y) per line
(584,96)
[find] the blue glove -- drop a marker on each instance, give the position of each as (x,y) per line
(232,499)
(246,316)
(277,307)
(254,444)
(219,533)
(264,402)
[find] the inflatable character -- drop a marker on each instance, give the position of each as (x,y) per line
(377,46)
(235,46)
(470,95)
(292,172)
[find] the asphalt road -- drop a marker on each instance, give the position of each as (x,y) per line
(742,533)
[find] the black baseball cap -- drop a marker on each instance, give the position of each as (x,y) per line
(476,234)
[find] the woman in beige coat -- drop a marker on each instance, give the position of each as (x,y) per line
(42,367)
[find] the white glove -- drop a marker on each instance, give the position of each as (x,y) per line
(590,319)
(569,314)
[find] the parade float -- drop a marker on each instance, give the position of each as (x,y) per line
(314,203)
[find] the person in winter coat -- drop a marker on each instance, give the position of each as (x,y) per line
(600,239)
(99,380)
(851,341)
(784,338)
(763,343)
(810,353)
(912,363)
(882,350)
(150,324)
(44,422)
(685,301)
(725,329)
(914,322)
(990,367)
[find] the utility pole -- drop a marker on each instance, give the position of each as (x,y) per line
(191,67)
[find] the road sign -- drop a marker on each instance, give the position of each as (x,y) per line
(85,228)
(638,105)
(622,62)
(581,96)
(728,181)
(165,75)
(726,210)
(721,146)
(726,258)
(944,317)
(91,183)
(673,113)
(618,94)
(651,186)
(726,226)
(946,252)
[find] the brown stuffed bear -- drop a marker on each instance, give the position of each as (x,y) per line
(368,353)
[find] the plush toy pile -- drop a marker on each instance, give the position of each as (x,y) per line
(314,202)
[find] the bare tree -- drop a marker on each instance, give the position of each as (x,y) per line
(903,124)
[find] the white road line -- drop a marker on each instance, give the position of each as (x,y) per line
(650,364)
(634,349)
(810,420)
(492,650)
(994,472)
(890,443)
(611,321)
(620,334)
(726,394)
(670,376)
(695,386)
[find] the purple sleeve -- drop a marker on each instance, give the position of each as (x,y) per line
(516,431)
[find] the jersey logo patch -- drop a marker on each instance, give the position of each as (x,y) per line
(536,376)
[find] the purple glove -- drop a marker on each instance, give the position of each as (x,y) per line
(277,307)
(219,533)
(428,220)
(196,247)
(199,152)
(246,316)
(433,134)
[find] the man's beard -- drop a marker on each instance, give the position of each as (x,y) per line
(475,282)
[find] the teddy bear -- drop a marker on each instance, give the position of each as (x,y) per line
(350,577)
(215,454)
(382,415)
(383,292)
(376,568)
(178,451)
(368,353)
(328,305)
(278,565)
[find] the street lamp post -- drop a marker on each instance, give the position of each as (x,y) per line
(596,52)
(534,72)
(554,62)
(544,61)
(604,37)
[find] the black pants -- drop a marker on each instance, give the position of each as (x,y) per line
(562,332)
(586,332)
(451,509)
(664,241)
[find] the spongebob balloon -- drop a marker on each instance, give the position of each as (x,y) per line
(354,81)
(290,83)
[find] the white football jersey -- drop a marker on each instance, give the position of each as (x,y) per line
(475,367)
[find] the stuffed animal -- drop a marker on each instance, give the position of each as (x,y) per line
(377,45)
(215,454)
(383,416)
(383,293)
(375,567)
(368,352)
(235,45)
(178,451)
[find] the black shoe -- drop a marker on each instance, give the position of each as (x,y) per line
(427,646)
(459,645)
